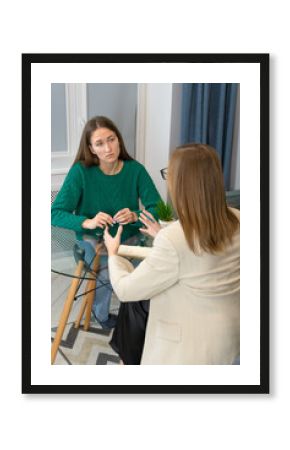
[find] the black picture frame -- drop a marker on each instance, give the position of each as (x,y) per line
(259,59)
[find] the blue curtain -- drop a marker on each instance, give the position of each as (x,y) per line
(208,116)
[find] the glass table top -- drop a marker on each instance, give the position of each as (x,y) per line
(66,251)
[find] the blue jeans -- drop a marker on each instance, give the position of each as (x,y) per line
(103,294)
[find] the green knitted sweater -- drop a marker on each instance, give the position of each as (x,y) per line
(87,191)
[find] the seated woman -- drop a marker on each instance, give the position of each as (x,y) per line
(103,187)
(192,275)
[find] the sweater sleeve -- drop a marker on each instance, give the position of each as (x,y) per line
(147,193)
(67,200)
(157,272)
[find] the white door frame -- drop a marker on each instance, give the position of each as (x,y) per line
(76,117)
(153,136)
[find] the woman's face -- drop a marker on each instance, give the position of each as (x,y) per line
(105,144)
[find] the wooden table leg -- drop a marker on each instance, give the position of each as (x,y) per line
(81,311)
(89,304)
(66,310)
(92,283)
(86,303)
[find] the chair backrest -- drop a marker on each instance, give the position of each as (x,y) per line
(61,241)
(53,195)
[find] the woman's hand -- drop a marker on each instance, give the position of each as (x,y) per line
(112,243)
(152,227)
(125,216)
(100,220)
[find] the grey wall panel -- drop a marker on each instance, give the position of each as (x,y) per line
(118,102)
(58,118)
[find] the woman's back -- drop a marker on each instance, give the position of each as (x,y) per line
(196,320)
(206,273)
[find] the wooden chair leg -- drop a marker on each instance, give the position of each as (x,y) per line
(88,300)
(66,310)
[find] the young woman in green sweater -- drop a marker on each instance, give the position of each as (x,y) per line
(103,187)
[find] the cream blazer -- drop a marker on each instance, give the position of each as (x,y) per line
(194,315)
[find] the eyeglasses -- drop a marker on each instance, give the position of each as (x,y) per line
(164,173)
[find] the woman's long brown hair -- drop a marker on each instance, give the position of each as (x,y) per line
(196,187)
(84,153)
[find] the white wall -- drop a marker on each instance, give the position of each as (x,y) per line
(158,132)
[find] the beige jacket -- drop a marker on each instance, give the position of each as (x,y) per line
(194,313)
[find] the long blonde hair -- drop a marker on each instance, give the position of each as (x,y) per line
(196,187)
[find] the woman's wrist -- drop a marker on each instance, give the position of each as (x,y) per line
(87,224)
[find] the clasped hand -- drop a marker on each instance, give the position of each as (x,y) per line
(125,216)
(101,220)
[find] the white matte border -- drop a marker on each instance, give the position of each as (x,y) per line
(248,75)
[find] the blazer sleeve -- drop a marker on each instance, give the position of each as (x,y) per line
(156,273)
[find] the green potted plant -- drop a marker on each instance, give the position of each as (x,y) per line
(165,213)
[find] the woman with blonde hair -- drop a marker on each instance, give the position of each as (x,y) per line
(192,275)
